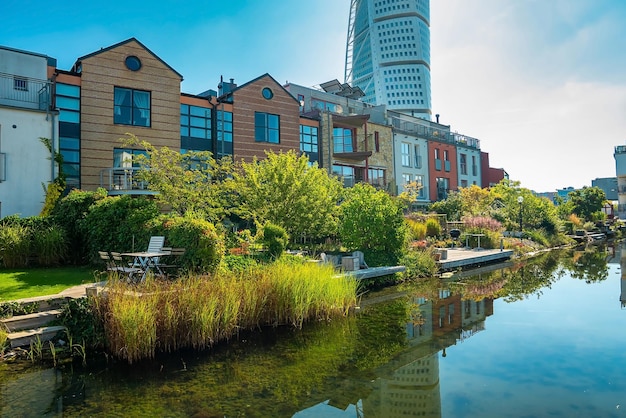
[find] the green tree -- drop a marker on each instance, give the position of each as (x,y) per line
(452,206)
(372,221)
(588,202)
(285,190)
(193,182)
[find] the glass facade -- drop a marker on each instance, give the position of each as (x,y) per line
(266,127)
(342,140)
(68,102)
(224,133)
(196,128)
(309,143)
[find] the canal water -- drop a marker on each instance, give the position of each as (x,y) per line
(542,338)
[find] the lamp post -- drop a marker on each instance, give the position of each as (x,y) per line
(520,200)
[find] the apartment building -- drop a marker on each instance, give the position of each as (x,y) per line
(26,164)
(88,110)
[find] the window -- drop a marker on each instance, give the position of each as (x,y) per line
(267,93)
(224,133)
(463,164)
(342,140)
(195,121)
(376,141)
(308,142)
(376,176)
(419,179)
(417,156)
(437,159)
(132,107)
(405,152)
(68,103)
(446,158)
(346,173)
(124,157)
(442,188)
(20,83)
(474,166)
(406,178)
(266,127)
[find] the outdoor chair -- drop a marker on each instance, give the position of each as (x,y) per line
(119,267)
(172,260)
(114,264)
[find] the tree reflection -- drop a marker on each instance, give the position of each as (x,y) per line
(589,265)
(529,278)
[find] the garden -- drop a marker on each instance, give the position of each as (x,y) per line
(250,233)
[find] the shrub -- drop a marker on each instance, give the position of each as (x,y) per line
(237,263)
(204,245)
(15,245)
(433,227)
(275,239)
(116,223)
(4,337)
(80,318)
(417,229)
(483,223)
(50,245)
(419,263)
(68,213)
(371,221)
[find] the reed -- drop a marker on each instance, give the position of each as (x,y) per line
(4,337)
(199,311)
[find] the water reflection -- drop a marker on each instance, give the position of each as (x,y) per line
(388,361)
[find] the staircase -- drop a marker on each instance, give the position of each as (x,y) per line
(26,329)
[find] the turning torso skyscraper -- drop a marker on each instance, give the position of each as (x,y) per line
(388,54)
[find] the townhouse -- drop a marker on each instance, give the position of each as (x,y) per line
(87,110)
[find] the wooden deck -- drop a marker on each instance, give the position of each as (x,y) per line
(463,258)
(371,272)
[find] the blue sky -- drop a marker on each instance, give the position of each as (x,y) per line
(540,82)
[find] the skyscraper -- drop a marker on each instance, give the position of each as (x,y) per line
(388,53)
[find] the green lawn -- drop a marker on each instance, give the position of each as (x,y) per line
(26,283)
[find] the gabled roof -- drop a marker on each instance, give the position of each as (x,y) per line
(123,43)
(257,79)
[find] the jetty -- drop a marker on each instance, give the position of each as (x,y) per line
(461,258)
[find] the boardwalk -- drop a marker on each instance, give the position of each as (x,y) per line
(463,258)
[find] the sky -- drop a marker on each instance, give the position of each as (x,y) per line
(541,83)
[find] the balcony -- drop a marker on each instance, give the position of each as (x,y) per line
(24,92)
(123,180)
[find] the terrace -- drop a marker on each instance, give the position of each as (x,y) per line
(24,92)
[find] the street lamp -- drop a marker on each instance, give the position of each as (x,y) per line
(520,200)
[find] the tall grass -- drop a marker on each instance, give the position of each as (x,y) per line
(3,339)
(200,311)
(50,245)
(15,245)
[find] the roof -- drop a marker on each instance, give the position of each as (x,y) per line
(257,79)
(123,43)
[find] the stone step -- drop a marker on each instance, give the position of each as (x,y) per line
(24,338)
(34,320)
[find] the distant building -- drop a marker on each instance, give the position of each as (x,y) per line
(490,176)
(608,185)
(620,171)
(388,54)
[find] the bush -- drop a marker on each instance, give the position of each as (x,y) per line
(419,264)
(50,245)
(238,263)
(203,244)
(15,245)
(371,221)
(275,239)
(83,324)
(116,223)
(417,229)
(483,223)
(433,227)
(68,213)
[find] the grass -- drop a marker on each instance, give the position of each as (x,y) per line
(30,282)
(199,311)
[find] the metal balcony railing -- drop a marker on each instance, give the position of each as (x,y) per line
(24,92)
(123,180)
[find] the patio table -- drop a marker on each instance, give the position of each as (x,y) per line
(146,260)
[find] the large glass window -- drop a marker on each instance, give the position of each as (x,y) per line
(131,107)
(417,157)
(406,154)
(195,122)
(124,157)
(376,176)
(346,173)
(68,102)
(342,140)
(308,142)
(443,186)
(224,133)
(266,127)
(463,163)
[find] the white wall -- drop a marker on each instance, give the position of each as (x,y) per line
(28,163)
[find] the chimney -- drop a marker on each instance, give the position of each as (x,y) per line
(226,87)
(437,117)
